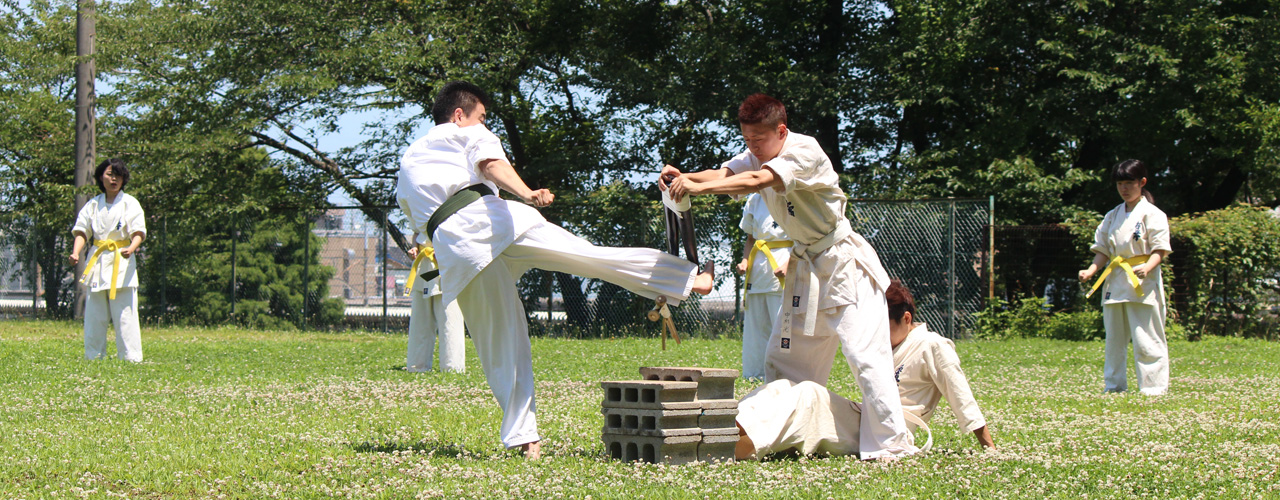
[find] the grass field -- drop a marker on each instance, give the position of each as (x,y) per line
(232,413)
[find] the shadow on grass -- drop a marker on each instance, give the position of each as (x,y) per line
(433,448)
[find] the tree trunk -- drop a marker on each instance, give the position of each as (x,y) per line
(827,120)
(1228,189)
(575,302)
(50,261)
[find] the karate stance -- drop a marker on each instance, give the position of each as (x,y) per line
(428,316)
(808,418)
(483,244)
(764,264)
(117,225)
(834,292)
(1129,245)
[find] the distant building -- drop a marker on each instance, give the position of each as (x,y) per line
(353,248)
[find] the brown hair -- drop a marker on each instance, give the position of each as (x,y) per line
(900,301)
(760,108)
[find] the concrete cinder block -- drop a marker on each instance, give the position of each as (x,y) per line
(713,383)
(717,447)
(717,404)
(651,422)
(723,431)
(718,418)
(671,450)
(650,394)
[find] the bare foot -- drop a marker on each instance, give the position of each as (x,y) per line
(532,451)
(705,282)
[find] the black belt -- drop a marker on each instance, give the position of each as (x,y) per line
(451,206)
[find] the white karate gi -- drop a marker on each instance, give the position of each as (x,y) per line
(428,315)
(927,370)
(806,417)
(834,293)
(1125,314)
(485,247)
(763,298)
(116,221)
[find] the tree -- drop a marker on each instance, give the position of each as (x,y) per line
(1035,102)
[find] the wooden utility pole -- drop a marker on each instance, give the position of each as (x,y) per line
(86,31)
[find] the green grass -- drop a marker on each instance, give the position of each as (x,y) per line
(248,414)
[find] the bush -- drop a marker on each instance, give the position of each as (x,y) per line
(1031,318)
(1231,269)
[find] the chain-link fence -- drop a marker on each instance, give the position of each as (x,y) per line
(1041,261)
(940,249)
(343,267)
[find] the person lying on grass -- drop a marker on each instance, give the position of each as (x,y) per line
(808,418)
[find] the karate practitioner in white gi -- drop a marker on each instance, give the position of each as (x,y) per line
(764,263)
(484,247)
(429,316)
(808,418)
(834,293)
(116,224)
(1129,245)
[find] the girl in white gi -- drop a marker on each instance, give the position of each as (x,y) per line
(834,292)
(764,263)
(483,243)
(783,416)
(428,315)
(115,223)
(1128,247)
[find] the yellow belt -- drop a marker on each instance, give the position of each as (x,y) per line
(424,252)
(105,246)
(765,246)
(1127,265)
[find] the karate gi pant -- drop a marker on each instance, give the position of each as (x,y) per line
(805,417)
(99,311)
(427,317)
(496,319)
(1144,324)
(861,331)
(757,326)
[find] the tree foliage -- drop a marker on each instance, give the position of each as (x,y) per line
(1029,102)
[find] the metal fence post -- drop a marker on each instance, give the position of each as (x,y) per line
(951,270)
(235,236)
(32,238)
(382,285)
(991,246)
(164,267)
(306,270)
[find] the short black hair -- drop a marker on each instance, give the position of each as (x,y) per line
(117,167)
(456,95)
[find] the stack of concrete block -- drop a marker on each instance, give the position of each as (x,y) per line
(674,415)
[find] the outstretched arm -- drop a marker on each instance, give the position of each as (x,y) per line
(504,175)
(720,181)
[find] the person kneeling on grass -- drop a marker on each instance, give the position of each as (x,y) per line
(808,418)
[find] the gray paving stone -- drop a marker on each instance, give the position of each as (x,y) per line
(717,448)
(718,418)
